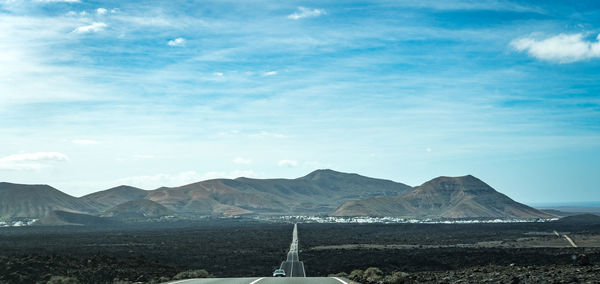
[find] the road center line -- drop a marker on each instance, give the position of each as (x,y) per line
(256,281)
(343,282)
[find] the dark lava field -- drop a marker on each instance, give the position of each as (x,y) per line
(501,253)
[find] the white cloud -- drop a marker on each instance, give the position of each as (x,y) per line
(29,72)
(177,42)
(181,178)
(563,48)
(241,160)
(58,1)
(306,13)
(94,27)
(271,73)
(101,11)
(288,163)
(218,74)
(264,134)
(84,142)
(31,161)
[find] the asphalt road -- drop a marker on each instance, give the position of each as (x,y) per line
(292,265)
(267,280)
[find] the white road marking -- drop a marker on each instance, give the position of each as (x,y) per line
(303,271)
(256,281)
(343,282)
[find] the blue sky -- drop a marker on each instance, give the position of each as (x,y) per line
(94,94)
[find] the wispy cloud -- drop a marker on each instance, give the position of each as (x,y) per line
(58,1)
(270,73)
(266,134)
(143,157)
(242,161)
(303,12)
(563,48)
(288,163)
(181,178)
(92,28)
(177,42)
(31,161)
(84,142)
(484,5)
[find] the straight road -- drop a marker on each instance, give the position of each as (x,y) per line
(267,280)
(292,265)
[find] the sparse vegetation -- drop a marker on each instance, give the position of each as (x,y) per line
(189,274)
(62,280)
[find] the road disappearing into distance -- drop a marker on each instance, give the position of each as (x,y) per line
(292,265)
(294,272)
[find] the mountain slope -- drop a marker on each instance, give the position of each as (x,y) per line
(444,197)
(138,209)
(319,192)
(103,200)
(62,218)
(36,201)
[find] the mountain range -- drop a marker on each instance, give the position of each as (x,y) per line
(322,192)
(444,197)
(35,201)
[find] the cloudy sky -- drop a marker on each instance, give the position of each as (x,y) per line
(94,94)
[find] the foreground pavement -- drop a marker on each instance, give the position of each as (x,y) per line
(268,280)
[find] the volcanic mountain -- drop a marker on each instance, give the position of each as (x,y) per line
(138,209)
(443,197)
(62,218)
(35,201)
(103,200)
(318,192)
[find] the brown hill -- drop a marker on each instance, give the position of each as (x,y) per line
(443,197)
(62,218)
(318,192)
(36,201)
(138,209)
(106,199)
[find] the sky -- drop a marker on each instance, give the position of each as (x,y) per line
(95,94)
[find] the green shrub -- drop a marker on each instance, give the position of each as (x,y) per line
(356,275)
(201,273)
(341,274)
(396,278)
(372,275)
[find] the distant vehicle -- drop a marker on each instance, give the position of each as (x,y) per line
(279,273)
